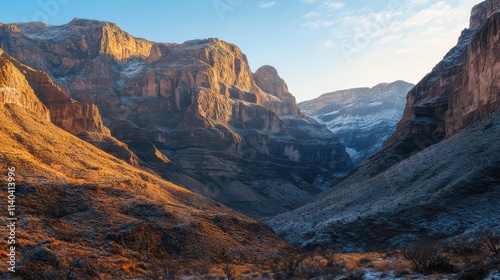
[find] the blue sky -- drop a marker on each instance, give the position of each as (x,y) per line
(317,46)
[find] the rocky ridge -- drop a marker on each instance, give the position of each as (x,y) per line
(81,205)
(193,112)
(362,118)
(437,175)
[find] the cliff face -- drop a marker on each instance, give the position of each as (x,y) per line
(197,103)
(35,91)
(460,90)
(438,175)
(81,204)
(15,89)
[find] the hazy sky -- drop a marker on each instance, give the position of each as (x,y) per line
(317,45)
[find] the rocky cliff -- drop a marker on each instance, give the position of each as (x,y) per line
(86,212)
(225,130)
(35,91)
(438,175)
(15,89)
(362,118)
(460,90)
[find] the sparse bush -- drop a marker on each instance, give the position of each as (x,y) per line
(229,271)
(492,241)
(442,265)
(287,267)
(464,248)
(37,269)
(171,269)
(473,271)
(423,257)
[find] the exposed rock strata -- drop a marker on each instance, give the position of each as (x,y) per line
(198,104)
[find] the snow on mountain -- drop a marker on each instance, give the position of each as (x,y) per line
(362,118)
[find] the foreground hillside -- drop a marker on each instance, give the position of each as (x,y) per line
(438,175)
(192,112)
(362,118)
(76,204)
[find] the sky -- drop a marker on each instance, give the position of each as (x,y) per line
(317,46)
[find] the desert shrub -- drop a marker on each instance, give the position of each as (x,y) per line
(464,248)
(171,269)
(492,242)
(473,271)
(229,271)
(442,265)
(38,269)
(424,257)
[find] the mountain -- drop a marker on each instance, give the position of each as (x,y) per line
(80,208)
(437,176)
(362,118)
(194,112)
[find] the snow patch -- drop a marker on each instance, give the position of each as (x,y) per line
(130,70)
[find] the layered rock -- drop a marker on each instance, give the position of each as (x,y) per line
(362,118)
(438,175)
(196,103)
(80,204)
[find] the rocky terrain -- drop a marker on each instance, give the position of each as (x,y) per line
(362,118)
(193,112)
(438,175)
(84,212)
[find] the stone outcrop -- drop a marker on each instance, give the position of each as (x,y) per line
(196,104)
(267,78)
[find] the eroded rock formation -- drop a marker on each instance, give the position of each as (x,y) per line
(228,133)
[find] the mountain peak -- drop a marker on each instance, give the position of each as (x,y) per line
(88,22)
(482,11)
(268,79)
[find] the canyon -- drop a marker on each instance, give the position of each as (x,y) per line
(437,176)
(193,113)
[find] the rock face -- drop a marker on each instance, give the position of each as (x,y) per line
(15,89)
(267,78)
(438,175)
(35,91)
(225,130)
(362,118)
(80,203)
(460,90)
